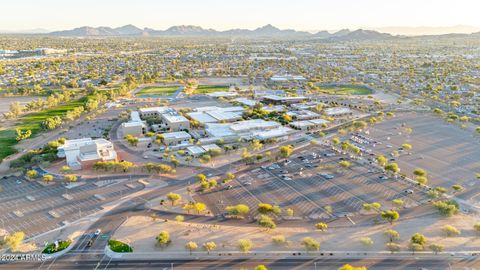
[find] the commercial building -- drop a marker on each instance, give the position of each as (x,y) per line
(171,120)
(303,114)
(287,80)
(175,138)
(135,126)
(337,111)
(85,152)
(215,114)
(223,94)
(198,150)
(309,124)
(274,99)
(247,130)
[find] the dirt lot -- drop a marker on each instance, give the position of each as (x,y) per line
(140,233)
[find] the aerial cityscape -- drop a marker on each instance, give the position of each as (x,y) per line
(250,135)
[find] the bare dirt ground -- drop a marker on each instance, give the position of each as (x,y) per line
(140,233)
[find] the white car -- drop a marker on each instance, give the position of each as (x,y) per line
(98,231)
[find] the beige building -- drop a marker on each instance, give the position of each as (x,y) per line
(82,153)
(175,138)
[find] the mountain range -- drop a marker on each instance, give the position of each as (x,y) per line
(267,31)
(197,31)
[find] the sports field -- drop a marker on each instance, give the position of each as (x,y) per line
(33,122)
(157,91)
(206,89)
(345,89)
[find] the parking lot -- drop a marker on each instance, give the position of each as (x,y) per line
(34,208)
(448,153)
(309,181)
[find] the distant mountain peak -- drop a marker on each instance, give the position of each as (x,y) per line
(265,31)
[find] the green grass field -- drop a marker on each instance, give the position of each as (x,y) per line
(157,91)
(117,246)
(7,141)
(345,90)
(33,122)
(206,89)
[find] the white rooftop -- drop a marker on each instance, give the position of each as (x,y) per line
(246,101)
(177,135)
(223,94)
(174,118)
(337,110)
(273,133)
(155,109)
(280,98)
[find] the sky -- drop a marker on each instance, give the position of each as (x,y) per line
(306,15)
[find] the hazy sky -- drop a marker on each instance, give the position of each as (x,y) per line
(226,14)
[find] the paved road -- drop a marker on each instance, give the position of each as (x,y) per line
(283,264)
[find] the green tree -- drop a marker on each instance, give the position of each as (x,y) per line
(457,188)
(450,230)
(419,239)
(65,169)
(416,247)
(392,247)
(382,160)
(70,178)
(420,172)
(256,145)
(209,246)
(345,164)
(366,242)
(32,174)
(264,208)
(392,235)
(446,208)
(163,239)
(279,240)
(201,177)
(173,197)
(476,227)
(286,151)
(47,178)
(191,246)
(398,203)
(199,207)
(310,244)
(436,248)
(392,167)
(245,245)
(238,210)
(321,226)
(266,222)
(390,216)
(349,267)
(23,135)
